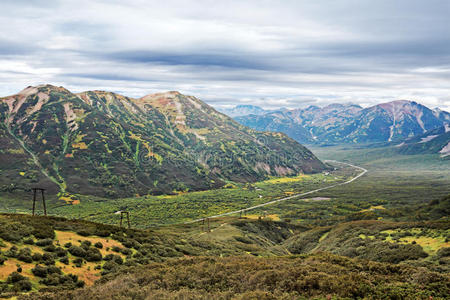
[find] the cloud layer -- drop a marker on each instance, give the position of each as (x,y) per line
(269,53)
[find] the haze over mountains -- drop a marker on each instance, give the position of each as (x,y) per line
(105,144)
(350,123)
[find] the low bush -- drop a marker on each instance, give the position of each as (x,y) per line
(44,242)
(39,271)
(93,254)
(77,251)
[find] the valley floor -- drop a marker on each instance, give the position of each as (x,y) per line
(384,235)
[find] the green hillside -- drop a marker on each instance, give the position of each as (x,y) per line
(104,144)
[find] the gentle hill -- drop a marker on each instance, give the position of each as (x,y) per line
(105,144)
(347,123)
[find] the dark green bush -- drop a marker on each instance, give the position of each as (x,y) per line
(53,270)
(15,277)
(117,259)
(93,254)
(126,251)
(50,248)
(44,242)
(64,260)
(13,231)
(48,258)
(12,252)
(108,257)
(60,252)
(85,245)
(28,241)
(78,262)
(43,231)
(98,245)
(37,257)
(39,271)
(77,251)
(23,285)
(25,255)
(110,265)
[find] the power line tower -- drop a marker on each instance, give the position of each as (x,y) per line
(128,218)
(35,192)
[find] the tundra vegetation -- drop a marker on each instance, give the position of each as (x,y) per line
(385,235)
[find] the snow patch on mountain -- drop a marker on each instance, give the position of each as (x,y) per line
(446,150)
(428,138)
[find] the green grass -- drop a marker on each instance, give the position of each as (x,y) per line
(169,209)
(395,182)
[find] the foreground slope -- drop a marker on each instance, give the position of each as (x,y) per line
(53,258)
(105,144)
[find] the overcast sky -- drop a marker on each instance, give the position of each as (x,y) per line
(267,53)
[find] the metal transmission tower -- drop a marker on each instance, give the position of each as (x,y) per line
(35,192)
(128,218)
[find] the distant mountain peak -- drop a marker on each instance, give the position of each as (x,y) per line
(243,109)
(343,123)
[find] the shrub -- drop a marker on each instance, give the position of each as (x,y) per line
(64,260)
(50,248)
(2,260)
(116,249)
(44,242)
(108,257)
(13,231)
(98,245)
(53,270)
(126,251)
(42,231)
(15,277)
(77,251)
(60,252)
(37,257)
(117,259)
(85,245)
(39,271)
(28,241)
(78,262)
(25,255)
(12,252)
(93,254)
(110,265)
(68,245)
(48,258)
(23,285)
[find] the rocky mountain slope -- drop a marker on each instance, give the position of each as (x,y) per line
(101,143)
(432,141)
(344,123)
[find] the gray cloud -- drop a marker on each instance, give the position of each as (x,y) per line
(269,53)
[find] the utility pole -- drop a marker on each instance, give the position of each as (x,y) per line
(35,192)
(128,218)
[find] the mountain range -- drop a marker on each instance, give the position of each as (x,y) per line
(105,144)
(243,110)
(350,123)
